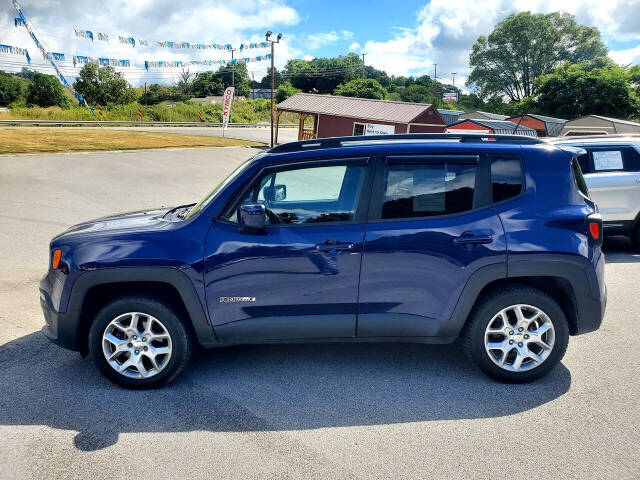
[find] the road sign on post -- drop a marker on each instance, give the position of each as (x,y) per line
(140,113)
(226,107)
(200,115)
(100,111)
(449,95)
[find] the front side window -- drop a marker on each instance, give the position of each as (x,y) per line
(423,190)
(307,195)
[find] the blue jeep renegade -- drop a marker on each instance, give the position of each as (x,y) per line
(403,238)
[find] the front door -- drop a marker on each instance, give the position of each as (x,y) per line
(431,226)
(299,277)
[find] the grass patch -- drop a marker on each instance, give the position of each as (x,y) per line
(39,140)
(242,111)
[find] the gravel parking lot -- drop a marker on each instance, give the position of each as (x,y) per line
(301,411)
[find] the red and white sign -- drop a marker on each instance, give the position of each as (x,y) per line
(226,106)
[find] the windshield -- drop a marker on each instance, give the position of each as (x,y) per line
(197,208)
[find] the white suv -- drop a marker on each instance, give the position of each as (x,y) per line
(611,168)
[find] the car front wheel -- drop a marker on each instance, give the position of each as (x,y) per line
(138,342)
(517,334)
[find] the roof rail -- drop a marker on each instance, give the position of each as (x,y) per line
(335,142)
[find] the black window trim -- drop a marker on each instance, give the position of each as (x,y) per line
(362,202)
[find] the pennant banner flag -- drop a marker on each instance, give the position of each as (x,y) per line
(23,21)
(113,62)
(56,56)
(18,22)
(88,34)
(168,64)
(83,34)
(15,51)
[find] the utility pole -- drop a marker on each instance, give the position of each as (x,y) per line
(233,72)
(272,42)
(363,70)
(435,71)
(454,79)
(253,83)
(145,94)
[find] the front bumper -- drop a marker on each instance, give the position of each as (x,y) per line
(60,328)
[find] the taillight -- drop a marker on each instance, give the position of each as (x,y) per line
(594,229)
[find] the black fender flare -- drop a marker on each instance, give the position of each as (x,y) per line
(589,295)
(172,276)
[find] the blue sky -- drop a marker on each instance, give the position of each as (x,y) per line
(402,37)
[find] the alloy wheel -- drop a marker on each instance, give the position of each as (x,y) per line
(519,338)
(136,345)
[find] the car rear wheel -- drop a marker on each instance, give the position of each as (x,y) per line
(517,334)
(635,238)
(138,342)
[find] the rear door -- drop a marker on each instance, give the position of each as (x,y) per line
(431,226)
(613,178)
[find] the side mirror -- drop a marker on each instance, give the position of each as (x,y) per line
(277,193)
(251,216)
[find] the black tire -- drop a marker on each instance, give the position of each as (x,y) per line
(180,341)
(488,307)
(635,238)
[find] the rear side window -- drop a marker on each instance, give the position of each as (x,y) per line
(423,190)
(577,174)
(506,177)
(613,159)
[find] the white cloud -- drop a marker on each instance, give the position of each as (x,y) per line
(447,29)
(199,21)
(625,57)
(355,46)
(314,41)
(308,58)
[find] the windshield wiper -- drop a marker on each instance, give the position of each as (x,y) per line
(177,211)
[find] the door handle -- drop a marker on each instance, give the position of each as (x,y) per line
(334,246)
(471,239)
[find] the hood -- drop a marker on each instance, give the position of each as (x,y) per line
(143,220)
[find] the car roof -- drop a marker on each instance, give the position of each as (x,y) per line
(403,144)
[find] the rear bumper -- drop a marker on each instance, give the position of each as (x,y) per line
(60,328)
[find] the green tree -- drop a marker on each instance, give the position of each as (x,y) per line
(363,88)
(524,46)
(103,85)
(418,94)
(323,75)
(266,80)
(157,93)
(12,88)
(46,91)
(207,83)
(284,91)
(185,82)
(600,87)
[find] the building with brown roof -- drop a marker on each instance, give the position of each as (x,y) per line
(335,116)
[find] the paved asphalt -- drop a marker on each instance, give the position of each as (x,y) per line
(301,411)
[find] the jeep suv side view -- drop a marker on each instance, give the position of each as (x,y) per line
(611,167)
(403,238)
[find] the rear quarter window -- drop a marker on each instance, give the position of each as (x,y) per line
(579,178)
(506,177)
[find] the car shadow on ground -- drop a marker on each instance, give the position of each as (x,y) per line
(260,388)
(618,249)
